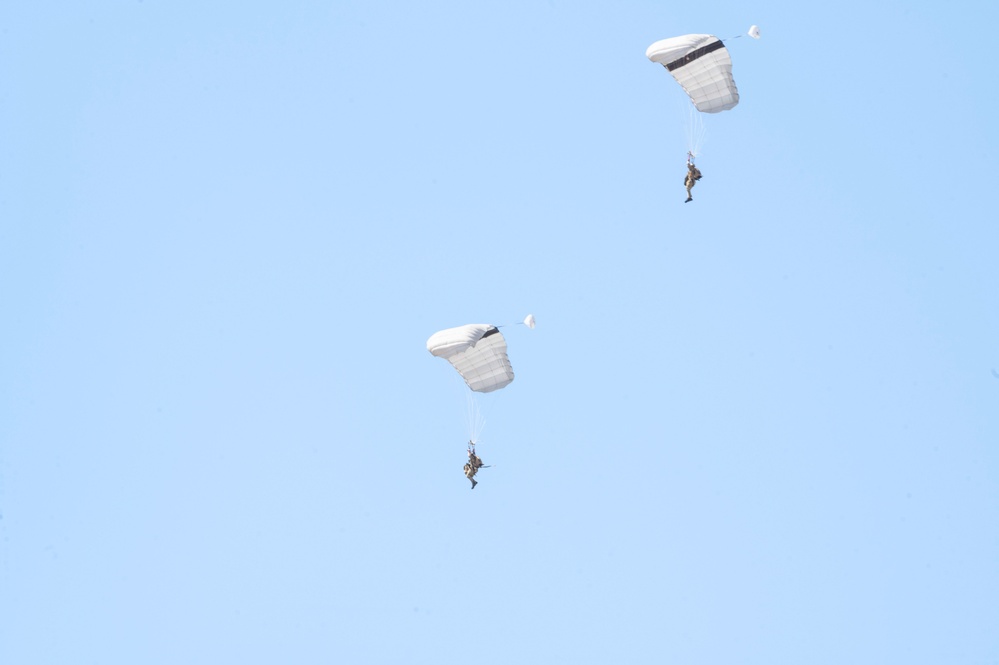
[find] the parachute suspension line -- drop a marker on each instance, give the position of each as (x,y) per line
(469,407)
(695,129)
(473,418)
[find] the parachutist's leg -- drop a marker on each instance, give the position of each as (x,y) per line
(474,482)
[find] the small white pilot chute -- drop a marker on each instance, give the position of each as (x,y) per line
(754,31)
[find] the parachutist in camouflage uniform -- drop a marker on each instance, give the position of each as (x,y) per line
(693,175)
(472,466)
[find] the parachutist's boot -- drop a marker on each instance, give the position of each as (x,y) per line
(474,483)
(689,199)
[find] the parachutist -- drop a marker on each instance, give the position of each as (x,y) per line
(703,67)
(693,175)
(472,466)
(478,352)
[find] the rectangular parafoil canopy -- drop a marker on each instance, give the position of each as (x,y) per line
(701,64)
(478,352)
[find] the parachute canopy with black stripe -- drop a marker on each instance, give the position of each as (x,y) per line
(701,64)
(478,352)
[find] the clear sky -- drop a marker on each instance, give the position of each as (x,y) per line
(757,428)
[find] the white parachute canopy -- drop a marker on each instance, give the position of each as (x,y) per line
(478,352)
(701,64)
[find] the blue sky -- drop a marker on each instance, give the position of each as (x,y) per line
(757,428)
